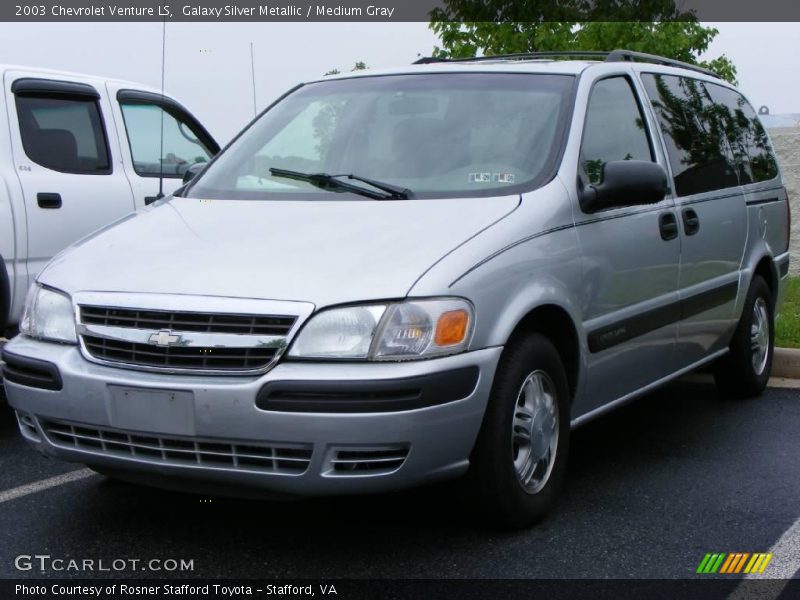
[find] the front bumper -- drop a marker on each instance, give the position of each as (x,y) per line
(207,433)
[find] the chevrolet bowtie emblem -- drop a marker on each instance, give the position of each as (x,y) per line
(164,338)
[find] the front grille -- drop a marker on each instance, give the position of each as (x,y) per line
(367,461)
(208,453)
(180,357)
(131,318)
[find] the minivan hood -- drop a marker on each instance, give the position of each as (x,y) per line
(324,252)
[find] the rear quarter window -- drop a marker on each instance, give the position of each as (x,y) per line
(745,133)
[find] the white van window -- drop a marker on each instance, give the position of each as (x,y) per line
(614,128)
(63,133)
(701,158)
(439,136)
(179,150)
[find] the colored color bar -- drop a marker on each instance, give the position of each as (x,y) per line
(767,558)
(710,563)
(741,562)
(718,563)
(703,563)
(752,562)
(727,564)
(757,564)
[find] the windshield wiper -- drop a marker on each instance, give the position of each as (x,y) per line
(334,183)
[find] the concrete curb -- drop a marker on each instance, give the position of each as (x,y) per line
(786,363)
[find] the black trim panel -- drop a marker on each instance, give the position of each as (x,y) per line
(763,201)
(357,396)
(783,268)
(626,329)
(34,86)
(31,372)
(5,296)
(699,303)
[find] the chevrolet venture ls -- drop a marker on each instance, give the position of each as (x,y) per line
(391,278)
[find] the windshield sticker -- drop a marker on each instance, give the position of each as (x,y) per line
(480,177)
(491,178)
(504,177)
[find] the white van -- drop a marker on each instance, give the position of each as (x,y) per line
(78,153)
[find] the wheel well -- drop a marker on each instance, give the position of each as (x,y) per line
(766,269)
(556,325)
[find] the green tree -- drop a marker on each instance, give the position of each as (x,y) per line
(471,27)
(359,66)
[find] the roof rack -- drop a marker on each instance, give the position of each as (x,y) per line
(629,55)
(613,56)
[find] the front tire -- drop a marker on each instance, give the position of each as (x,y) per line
(520,457)
(744,371)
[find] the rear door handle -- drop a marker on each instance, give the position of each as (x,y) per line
(668,226)
(691,222)
(46,200)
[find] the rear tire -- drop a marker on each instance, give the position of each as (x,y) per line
(744,371)
(520,457)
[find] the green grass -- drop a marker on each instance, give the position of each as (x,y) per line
(787,327)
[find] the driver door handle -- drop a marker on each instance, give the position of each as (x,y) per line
(48,200)
(668,226)
(691,222)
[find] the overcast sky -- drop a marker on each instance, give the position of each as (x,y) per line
(208,65)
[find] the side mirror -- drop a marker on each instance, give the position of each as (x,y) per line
(625,183)
(193,172)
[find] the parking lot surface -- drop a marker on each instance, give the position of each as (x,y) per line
(651,489)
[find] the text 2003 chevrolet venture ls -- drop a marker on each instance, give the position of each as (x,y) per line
(395,277)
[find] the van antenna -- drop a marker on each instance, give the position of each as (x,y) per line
(253,75)
(161,141)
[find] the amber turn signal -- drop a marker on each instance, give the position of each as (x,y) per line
(451,328)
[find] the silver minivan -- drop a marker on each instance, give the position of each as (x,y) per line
(396,277)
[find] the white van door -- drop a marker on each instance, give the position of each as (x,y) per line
(64,156)
(160,140)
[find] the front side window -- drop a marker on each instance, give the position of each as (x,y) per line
(444,135)
(614,128)
(694,132)
(153,157)
(63,133)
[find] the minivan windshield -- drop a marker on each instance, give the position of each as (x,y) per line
(433,135)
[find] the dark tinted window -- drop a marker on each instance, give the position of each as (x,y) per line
(746,136)
(614,128)
(694,132)
(63,133)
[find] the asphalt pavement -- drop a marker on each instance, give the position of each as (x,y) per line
(651,488)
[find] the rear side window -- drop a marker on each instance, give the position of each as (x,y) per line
(695,134)
(746,135)
(614,128)
(181,147)
(64,133)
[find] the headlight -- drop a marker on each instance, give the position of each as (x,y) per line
(48,316)
(401,331)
